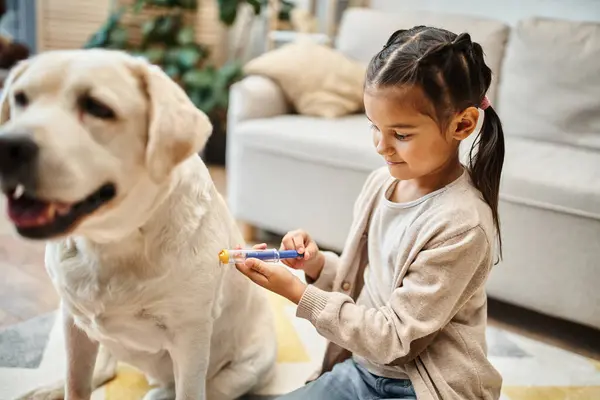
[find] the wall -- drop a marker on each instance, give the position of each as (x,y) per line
(509,11)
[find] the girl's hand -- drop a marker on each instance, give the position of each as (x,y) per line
(273,277)
(312,260)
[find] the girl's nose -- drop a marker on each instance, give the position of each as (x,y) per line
(383,147)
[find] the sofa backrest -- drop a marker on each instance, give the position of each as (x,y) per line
(508,11)
(363,32)
(550,87)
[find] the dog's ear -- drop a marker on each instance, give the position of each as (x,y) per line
(176,129)
(13,75)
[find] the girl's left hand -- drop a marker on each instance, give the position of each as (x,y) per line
(276,278)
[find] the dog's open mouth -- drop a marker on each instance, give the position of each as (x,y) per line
(38,218)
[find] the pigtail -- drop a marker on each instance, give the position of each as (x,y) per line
(485,164)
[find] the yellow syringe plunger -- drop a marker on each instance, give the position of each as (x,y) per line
(224,256)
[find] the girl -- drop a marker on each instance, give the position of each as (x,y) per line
(404,306)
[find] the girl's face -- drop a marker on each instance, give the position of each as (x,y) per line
(410,141)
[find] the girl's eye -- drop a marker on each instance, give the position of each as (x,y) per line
(372,127)
(401,137)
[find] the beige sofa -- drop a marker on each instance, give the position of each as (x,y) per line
(287,170)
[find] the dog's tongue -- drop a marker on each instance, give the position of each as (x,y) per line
(26,211)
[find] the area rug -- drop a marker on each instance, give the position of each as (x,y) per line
(31,354)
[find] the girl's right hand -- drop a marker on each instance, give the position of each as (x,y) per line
(312,260)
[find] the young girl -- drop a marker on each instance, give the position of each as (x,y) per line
(404,306)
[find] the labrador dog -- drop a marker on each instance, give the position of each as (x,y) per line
(98,156)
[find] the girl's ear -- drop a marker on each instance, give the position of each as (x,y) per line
(464,123)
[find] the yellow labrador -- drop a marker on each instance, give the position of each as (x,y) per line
(98,156)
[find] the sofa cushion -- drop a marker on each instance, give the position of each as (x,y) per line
(550,85)
(546,175)
(363,32)
(316,79)
(342,142)
(552,176)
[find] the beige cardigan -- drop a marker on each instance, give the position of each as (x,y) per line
(434,323)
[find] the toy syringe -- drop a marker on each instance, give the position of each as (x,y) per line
(236,256)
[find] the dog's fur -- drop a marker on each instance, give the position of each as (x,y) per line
(140,276)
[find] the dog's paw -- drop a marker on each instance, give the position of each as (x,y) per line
(161,393)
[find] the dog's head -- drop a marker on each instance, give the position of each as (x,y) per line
(88,137)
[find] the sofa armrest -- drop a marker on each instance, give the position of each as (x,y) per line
(255,97)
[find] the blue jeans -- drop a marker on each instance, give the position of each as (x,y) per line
(350,381)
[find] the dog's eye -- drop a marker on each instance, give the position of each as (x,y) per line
(95,108)
(21,99)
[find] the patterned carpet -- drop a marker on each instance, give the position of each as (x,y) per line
(31,353)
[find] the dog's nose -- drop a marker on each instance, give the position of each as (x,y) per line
(16,151)
(18,158)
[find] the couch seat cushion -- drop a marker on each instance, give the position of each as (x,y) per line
(552,176)
(542,174)
(341,142)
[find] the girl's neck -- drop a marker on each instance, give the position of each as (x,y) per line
(414,189)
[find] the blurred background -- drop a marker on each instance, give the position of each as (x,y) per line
(281,82)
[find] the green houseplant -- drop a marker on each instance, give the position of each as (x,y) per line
(168,41)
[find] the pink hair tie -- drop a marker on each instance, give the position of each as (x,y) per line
(485,103)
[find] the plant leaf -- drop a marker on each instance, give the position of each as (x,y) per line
(199,78)
(155,55)
(172,55)
(118,38)
(221,98)
(167,26)
(202,100)
(102,36)
(228,11)
(188,57)
(148,28)
(225,77)
(208,105)
(172,71)
(231,70)
(196,97)
(138,6)
(186,35)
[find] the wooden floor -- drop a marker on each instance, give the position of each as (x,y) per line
(26,292)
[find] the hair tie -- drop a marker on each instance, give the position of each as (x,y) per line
(485,103)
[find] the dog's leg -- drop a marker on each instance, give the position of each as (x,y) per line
(190,355)
(158,369)
(81,354)
(253,368)
(253,365)
(106,367)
